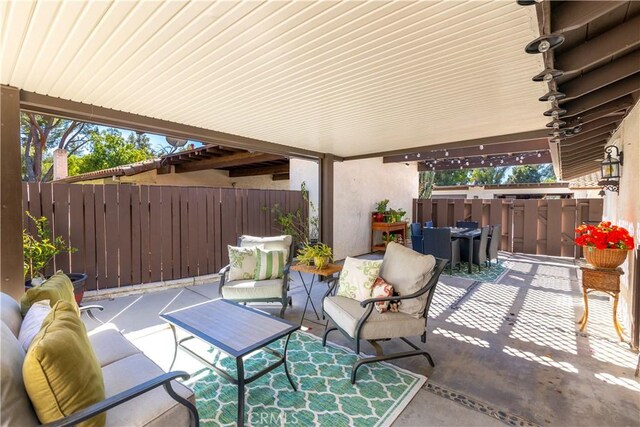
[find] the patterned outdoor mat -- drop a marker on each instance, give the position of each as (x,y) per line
(325,395)
(491,274)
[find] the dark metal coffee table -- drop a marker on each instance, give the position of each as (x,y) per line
(236,330)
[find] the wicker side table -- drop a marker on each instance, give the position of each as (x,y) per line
(605,280)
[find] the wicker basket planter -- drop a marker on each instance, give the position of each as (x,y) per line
(605,258)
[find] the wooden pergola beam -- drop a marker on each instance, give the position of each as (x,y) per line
(603,95)
(230,161)
(587,153)
(583,169)
(486,141)
(570,15)
(579,145)
(488,150)
(620,104)
(605,130)
(596,124)
(475,162)
(263,170)
(613,42)
(601,77)
(43,104)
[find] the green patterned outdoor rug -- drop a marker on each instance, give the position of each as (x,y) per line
(325,394)
(491,274)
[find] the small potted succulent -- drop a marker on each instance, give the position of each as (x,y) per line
(40,249)
(320,255)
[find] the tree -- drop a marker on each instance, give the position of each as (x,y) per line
(452,177)
(488,176)
(109,149)
(425,184)
(40,134)
(524,174)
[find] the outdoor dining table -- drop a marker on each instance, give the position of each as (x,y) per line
(469,234)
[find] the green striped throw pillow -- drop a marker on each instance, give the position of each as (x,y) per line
(270,264)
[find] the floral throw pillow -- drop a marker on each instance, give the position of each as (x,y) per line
(357,277)
(381,289)
(242,262)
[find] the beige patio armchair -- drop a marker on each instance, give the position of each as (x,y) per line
(414,276)
(251,290)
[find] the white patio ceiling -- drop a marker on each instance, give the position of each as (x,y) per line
(346,78)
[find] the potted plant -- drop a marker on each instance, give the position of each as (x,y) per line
(40,249)
(605,245)
(381,209)
(319,255)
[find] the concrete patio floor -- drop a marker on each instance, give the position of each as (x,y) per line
(508,350)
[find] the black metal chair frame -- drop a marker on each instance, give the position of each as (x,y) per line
(491,245)
(285,300)
(163,380)
(369,304)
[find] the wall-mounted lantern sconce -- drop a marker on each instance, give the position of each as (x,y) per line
(610,169)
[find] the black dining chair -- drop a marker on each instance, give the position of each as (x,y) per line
(479,248)
(416,237)
(494,244)
(467,224)
(438,242)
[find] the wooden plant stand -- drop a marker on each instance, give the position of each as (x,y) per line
(605,280)
(387,228)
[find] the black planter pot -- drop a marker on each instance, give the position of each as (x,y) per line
(77,279)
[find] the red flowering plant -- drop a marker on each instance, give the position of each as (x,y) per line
(604,236)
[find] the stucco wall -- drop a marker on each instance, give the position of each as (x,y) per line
(358,186)
(624,209)
(206,178)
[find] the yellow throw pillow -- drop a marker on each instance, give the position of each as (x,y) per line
(57,287)
(61,372)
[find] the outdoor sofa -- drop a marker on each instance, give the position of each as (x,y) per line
(137,391)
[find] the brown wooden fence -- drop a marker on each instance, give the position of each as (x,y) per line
(128,235)
(544,227)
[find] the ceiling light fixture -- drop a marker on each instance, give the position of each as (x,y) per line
(556,124)
(528,2)
(544,43)
(552,95)
(481,147)
(555,112)
(539,154)
(547,75)
(446,153)
(418,155)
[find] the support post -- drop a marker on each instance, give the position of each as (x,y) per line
(326,199)
(11,261)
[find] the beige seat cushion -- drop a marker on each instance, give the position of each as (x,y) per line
(252,289)
(10,313)
(110,345)
(16,409)
(154,408)
(346,312)
(270,243)
(407,271)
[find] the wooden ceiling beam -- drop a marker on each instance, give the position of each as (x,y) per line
(492,149)
(474,163)
(603,95)
(233,160)
(578,146)
(596,124)
(570,15)
(607,129)
(486,141)
(263,170)
(601,77)
(588,153)
(613,42)
(620,104)
(584,168)
(280,177)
